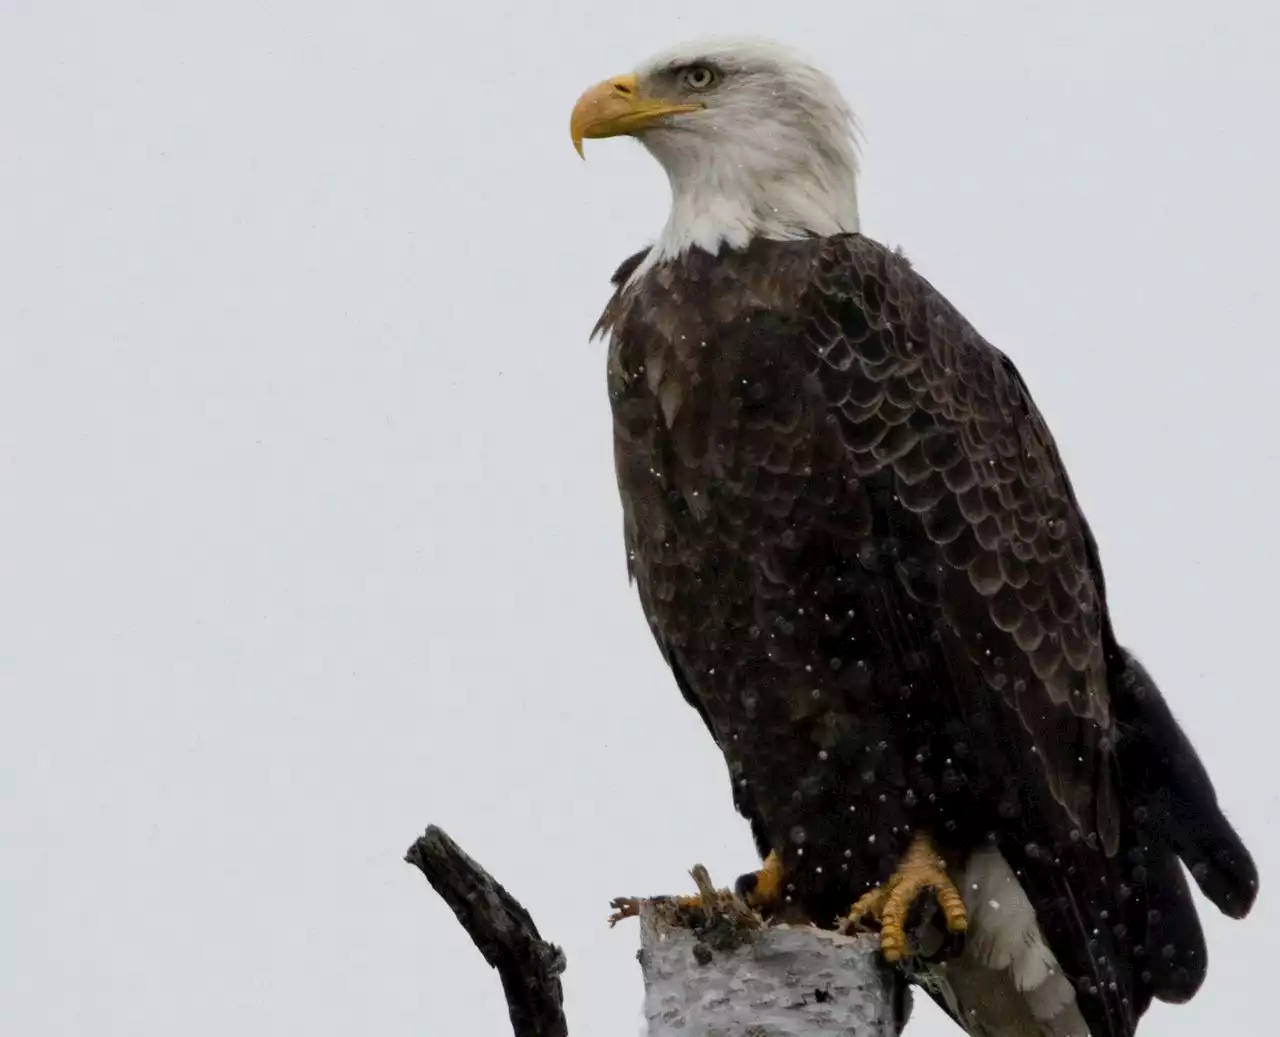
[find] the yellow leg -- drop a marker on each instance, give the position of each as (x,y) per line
(919,870)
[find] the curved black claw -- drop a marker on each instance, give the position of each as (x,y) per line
(746,885)
(762,890)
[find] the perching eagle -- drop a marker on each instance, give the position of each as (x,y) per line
(860,553)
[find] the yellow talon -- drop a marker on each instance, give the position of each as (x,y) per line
(871,903)
(762,890)
(919,870)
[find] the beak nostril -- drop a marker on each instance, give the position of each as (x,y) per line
(623,89)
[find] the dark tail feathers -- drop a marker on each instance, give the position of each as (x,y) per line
(1181,807)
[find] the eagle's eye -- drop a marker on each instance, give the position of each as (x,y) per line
(698,77)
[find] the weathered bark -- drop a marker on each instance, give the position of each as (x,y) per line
(715,974)
(710,970)
(502,931)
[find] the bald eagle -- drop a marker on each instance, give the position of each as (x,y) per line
(858,549)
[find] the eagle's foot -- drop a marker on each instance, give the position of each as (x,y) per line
(762,890)
(919,870)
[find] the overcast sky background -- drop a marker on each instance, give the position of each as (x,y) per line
(311,535)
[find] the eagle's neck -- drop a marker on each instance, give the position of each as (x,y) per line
(731,193)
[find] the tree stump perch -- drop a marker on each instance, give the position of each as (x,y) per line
(712,970)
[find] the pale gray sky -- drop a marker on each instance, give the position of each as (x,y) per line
(311,529)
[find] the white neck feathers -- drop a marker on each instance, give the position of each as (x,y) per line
(728,202)
(726,192)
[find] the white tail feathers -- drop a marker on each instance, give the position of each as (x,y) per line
(1007,982)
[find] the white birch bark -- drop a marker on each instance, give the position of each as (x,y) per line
(775,981)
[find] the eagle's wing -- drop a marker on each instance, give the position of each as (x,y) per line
(916,390)
(934,416)
(945,438)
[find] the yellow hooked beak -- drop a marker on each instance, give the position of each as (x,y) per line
(615,107)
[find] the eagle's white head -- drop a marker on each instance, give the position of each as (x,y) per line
(756,141)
